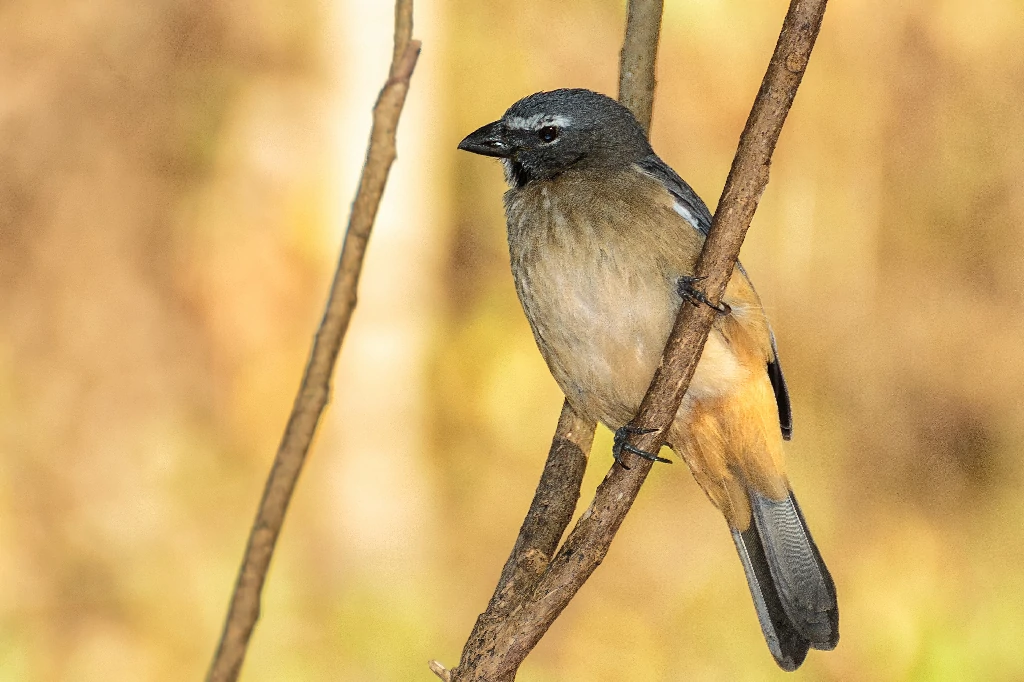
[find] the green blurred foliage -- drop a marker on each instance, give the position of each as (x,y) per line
(173,183)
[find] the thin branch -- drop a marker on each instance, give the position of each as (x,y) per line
(314,392)
(589,541)
(559,488)
(636,62)
(438,669)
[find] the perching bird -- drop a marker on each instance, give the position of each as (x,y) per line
(603,238)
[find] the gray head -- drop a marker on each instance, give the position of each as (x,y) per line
(548,133)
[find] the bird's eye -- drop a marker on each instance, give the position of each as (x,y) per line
(548,133)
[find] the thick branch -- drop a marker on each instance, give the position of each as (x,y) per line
(550,513)
(589,541)
(559,488)
(315,389)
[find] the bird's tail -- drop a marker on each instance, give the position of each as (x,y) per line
(793,591)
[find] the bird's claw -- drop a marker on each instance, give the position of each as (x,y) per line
(685,287)
(621,445)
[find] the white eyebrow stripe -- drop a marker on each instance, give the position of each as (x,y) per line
(538,121)
(518,123)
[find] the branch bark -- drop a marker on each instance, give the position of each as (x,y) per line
(638,57)
(315,389)
(588,543)
(549,515)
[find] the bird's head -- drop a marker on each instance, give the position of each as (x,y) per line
(548,133)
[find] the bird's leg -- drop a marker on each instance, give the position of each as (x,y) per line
(621,444)
(685,288)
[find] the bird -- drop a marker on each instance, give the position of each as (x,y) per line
(603,242)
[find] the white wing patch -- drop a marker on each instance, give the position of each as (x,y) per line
(538,121)
(686,214)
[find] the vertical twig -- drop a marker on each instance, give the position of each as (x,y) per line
(638,57)
(559,488)
(314,391)
(588,543)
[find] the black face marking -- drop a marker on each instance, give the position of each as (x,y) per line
(519,175)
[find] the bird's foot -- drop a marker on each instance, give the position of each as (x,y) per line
(686,288)
(621,444)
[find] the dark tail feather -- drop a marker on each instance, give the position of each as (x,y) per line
(785,643)
(793,592)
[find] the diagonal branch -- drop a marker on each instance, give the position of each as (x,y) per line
(549,515)
(314,392)
(559,488)
(588,543)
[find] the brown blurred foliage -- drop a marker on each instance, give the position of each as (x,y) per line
(173,181)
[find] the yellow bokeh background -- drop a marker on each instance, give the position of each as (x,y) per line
(175,178)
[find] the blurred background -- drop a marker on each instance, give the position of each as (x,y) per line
(175,178)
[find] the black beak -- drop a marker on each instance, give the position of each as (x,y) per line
(487,141)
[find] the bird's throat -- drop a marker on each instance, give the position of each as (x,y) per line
(516,174)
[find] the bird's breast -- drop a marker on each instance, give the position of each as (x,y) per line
(596,278)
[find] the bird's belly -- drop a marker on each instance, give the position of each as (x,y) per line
(602,330)
(602,335)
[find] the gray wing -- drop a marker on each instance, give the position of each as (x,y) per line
(695,211)
(686,199)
